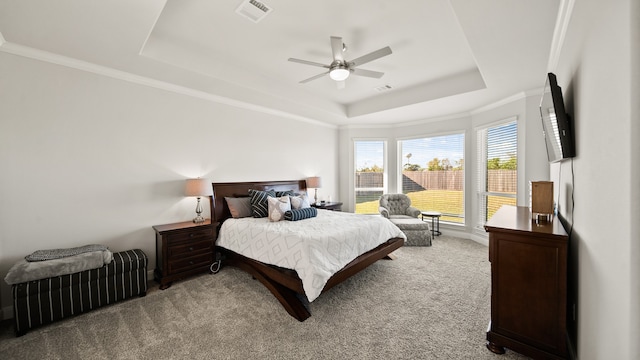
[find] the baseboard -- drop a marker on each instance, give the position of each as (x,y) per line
(6,313)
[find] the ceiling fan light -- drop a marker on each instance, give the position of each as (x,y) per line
(339,74)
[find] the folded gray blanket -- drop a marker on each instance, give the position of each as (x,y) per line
(24,271)
(42,255)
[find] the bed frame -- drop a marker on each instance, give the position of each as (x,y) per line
(284,284)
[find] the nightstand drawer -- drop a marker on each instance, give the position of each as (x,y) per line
(194,234)
(191,248)
(184,264)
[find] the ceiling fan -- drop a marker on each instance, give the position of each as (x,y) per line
(340,69)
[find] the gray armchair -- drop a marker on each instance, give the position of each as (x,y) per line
(397,206)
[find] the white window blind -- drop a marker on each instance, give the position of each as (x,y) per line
(370,174)
(432,171)
(497,154)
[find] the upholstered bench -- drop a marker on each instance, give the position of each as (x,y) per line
(43,301)
(417,231)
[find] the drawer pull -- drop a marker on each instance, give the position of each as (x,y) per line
(191,248)
(191,262)
(192,235)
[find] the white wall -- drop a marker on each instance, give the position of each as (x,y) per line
(89,159)
(532,163)
(599,76)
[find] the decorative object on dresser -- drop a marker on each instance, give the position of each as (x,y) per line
(335,206)
(542,200)
(314,182)
(293,290)
(198,187)
(183,249)
(528,284)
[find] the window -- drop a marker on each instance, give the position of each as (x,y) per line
(497,168)
(370,175)
(433,174)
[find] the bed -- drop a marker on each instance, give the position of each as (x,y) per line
(285,283)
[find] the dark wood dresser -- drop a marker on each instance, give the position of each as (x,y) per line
(528,284)
(183,249)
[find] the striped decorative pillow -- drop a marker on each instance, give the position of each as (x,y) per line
(300,214)
(259,205)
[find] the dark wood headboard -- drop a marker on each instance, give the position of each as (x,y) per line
(220,210)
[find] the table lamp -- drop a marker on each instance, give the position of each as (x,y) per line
(314,183)
(198,187)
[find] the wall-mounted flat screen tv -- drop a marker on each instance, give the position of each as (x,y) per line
(556,123)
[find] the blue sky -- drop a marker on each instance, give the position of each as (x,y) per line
(502,138)
(422,151)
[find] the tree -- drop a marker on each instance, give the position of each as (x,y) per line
(493,164)
(374,168)
(497,164)
(434,165)
(413,167)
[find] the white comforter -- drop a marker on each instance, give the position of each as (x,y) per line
(315,248)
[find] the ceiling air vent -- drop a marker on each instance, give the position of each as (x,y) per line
(383,88)
(253,10)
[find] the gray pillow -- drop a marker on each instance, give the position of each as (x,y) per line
(239,207)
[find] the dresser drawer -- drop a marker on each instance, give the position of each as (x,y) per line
(178,237)
(184,264)
(188,249)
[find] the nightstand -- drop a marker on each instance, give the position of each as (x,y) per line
(183,249)
(335,206)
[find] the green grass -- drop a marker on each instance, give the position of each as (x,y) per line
(444,201)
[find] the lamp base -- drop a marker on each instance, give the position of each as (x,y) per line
(198,219)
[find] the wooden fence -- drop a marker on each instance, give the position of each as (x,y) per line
(498,180)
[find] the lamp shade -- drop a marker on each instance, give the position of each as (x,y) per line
(313,182)
(198,187)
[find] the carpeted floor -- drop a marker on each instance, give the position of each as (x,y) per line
(430,303)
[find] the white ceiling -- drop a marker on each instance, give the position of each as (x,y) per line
(449,56)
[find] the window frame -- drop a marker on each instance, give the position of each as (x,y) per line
(385,172)
(399,170)
(481,161)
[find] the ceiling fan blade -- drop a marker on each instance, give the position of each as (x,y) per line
(314,77)
(341,84)
(307,62)
(370,56)
(367,73)
(336,48)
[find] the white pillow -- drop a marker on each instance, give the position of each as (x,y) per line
(300,202)
(277,207)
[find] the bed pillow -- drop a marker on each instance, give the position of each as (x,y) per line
(277,207)
(239,207)
(300,202)
(259,206)
(300,214)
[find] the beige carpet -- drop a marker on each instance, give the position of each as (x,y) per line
(430,303)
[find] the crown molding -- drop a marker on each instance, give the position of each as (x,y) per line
(45,56)
(565,9)
(497,104)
